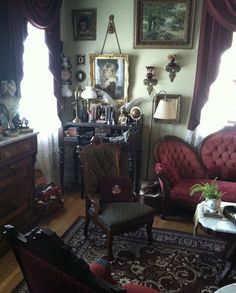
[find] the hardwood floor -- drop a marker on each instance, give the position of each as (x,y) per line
(10,274)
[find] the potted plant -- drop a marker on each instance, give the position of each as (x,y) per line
(210,193)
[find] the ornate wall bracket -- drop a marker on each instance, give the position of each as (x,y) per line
(150,82)
(172,67)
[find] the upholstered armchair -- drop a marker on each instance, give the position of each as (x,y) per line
(110,202)
(48,266)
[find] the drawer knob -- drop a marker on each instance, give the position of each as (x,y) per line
(7,154)
(13,205)
(27,146)
(13,169)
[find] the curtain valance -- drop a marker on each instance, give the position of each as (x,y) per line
(217,26)
(44,14)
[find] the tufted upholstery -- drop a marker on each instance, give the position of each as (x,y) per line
(100,163)
(216,158)
(179,156)
(218,152)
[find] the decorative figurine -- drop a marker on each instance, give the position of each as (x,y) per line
(9,104)
(123,118)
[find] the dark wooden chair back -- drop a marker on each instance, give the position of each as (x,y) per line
(48,265)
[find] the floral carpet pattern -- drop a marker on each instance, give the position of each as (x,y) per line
(176,262)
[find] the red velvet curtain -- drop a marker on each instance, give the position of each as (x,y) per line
(218,24)
(44,14)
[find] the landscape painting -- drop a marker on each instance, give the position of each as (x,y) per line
(163,24)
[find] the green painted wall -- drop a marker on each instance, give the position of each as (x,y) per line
(123,11)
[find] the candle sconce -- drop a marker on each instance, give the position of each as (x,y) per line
(150,82)
(172,67)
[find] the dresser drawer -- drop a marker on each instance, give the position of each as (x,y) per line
(15,194)
(19,148)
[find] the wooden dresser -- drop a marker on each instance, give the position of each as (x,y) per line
(17,158)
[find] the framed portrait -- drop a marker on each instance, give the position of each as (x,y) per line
(109,72)
(84,23)
(164,23)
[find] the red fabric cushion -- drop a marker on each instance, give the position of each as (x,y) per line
(116,189)
(102,272)
(222,173)
(214,172)
(180,192)
(169,171)
(133,288)
(219,149)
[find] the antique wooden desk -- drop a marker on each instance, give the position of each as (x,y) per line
(131,148)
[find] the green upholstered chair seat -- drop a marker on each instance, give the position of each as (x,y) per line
(100,161)
(118,214)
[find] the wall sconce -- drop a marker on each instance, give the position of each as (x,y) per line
(172,67)
(150,82)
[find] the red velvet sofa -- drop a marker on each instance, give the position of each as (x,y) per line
(179,165)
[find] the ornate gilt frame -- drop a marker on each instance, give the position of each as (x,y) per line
(120,79)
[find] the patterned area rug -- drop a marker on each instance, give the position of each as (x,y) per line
(176,262)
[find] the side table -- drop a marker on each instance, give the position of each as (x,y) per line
(227,289)
(221,226)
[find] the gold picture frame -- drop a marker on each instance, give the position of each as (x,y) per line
(110,73)
(164,23)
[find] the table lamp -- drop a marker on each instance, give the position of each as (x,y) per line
(89,94)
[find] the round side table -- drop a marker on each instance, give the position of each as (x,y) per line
(227,289)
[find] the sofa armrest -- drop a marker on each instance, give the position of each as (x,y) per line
(169,172)
(101,268)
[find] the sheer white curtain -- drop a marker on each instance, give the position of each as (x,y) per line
(220,109)
(38,104)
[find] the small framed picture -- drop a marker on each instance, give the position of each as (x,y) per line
(80,59)
(84,24)
(80,75)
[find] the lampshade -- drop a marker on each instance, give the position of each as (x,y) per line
(167,109)
(89,93)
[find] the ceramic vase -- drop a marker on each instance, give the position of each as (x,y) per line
(212,205)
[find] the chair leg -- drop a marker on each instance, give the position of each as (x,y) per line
(109,246)
(149,232)
(86,225)
(163,209)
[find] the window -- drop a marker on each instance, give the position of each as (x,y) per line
(220,109)
(38,104)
